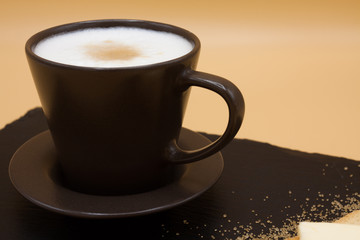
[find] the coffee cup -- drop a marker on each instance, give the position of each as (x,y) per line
(114,93)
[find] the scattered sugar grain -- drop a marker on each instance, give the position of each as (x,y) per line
(340,205)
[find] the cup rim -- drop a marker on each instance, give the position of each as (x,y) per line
(152,25)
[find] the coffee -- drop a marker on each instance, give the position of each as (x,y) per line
(113,47)
(116,130)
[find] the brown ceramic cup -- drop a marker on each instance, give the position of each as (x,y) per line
(116,129)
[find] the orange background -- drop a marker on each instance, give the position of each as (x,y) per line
(296,62)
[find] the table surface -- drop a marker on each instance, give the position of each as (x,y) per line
(264,191)
(296,62)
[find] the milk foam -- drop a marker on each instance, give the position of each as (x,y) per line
(113,47)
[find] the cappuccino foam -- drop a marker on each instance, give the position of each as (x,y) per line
(113,47)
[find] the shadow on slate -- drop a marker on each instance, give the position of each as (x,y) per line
(263,185)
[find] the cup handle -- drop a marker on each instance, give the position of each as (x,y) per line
(235,102)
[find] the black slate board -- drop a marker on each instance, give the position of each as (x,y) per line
(263,188)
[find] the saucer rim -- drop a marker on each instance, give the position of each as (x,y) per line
(50,203)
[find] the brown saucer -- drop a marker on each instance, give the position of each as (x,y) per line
(33,167)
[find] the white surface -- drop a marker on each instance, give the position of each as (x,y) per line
(328,231)
(113,47)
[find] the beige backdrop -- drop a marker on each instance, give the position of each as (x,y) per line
(296,62)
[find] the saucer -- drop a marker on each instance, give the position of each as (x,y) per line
(33,168)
